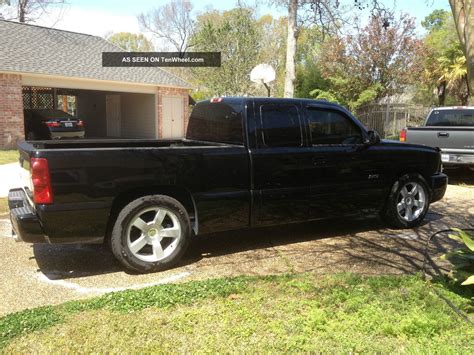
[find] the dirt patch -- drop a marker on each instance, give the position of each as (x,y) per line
(34,275)
(4,207)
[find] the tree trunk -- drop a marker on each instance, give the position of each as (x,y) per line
(290,75)
(441,93)
(22,10)
(463,12)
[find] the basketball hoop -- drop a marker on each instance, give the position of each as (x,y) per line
(263,74)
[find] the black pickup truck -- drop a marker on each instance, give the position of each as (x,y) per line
(245,162)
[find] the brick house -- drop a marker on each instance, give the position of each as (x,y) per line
(48,68)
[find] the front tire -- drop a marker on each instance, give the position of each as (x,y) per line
(151,234)
(408,202)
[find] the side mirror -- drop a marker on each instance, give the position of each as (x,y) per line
(373,137)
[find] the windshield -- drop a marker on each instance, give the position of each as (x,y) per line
(457,117)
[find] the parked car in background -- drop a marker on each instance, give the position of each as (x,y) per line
(43,124)
(449,128)
(245,162)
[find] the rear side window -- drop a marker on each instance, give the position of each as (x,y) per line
(216,122)
(332,127)
(458,118)
(281,125)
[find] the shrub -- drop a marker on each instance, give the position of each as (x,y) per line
(462,258)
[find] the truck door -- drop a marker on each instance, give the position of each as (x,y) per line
(280,182)
(345,174)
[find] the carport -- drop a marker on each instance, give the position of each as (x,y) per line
(105,113)
(48,68)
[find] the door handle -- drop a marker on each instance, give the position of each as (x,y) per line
(443,134)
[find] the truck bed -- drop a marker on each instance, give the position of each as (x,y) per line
(442,137)
(91,175)
(116,143)
(456,143)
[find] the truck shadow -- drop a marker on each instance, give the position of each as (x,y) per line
(58,262)
(73,261)
(460,176)
(364,246)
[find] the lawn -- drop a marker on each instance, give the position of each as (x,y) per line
(304,312)
(393,137)
(9,156)
(3,205)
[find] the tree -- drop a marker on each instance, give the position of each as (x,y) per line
(172,22)
(374,62)
(308,71)
(272,44)
(452,67)
(236,34)
(131,42)
(324,13)
(300,11)
(26,10)
(444,61)
(435,21)
(463,13)
(310,78)
(290,75)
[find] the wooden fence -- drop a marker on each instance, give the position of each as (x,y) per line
(389,119)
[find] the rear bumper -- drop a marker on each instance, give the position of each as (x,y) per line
(73,134)
(25,223)
(456,159)
(439,183)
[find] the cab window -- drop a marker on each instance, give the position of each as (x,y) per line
(281,125)
(332,127)
(216,122)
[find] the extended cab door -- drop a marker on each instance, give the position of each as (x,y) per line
(345,174)
(280,182)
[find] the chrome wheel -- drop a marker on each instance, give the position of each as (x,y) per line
(153,234)
(411,201)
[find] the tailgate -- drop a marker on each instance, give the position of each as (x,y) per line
(446,138)
(26,151)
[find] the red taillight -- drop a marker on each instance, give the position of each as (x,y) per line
(53,124)
(80,123)
(403,135)
(42,192)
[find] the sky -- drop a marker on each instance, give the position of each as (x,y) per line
(107,16)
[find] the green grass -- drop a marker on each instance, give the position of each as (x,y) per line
(9,156)
(394,137)
(334,313)
(3,206)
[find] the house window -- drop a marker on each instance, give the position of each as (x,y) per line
(67,103)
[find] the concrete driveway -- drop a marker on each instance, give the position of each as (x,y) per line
(34,275)
(11,177)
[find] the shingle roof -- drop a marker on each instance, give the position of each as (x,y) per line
(42,50)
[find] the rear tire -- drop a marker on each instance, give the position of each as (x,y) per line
(408,202)
(151,234)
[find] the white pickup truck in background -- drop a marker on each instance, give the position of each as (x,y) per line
(449,128)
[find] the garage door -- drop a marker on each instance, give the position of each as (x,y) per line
(112,103)
(173,117)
